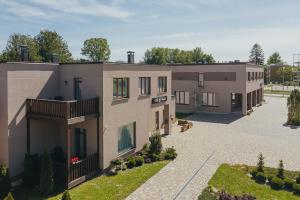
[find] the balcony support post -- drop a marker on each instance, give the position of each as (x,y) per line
(28,135)
(68,150)
(98,153)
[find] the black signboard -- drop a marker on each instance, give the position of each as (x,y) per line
(159,99)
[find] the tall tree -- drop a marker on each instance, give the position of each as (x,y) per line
(96,49)
(257,55)
(50,42)
(12,49)
(274,58)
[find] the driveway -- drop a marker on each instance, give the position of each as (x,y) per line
(217,139)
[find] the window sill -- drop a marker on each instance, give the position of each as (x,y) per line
(120,100)
(161,93)
(144,96)
(182,104)
(210,106)
(127,152)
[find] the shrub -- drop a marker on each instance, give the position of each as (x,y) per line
(277,183)
(207,194)
(139,161)
(130,162)
(280,171)
(58,155)
(269,178)
(5,184)
(123,166)
(155,143)
(46,178)
(260,163)
(32,169)
(145,151)
(9,197)
(170,153)
(66,196)
(154,157)
(225,196)
(298,179)
(296,188)
(260,177)
(116,162)
(254,172)
(288,183)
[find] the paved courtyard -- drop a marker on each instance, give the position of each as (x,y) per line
(223,139)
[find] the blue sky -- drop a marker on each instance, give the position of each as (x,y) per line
(225,28)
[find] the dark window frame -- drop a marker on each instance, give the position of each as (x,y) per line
(249,76)
(124,151)
(145,79)
(124,94)
(162,84)
(201,85)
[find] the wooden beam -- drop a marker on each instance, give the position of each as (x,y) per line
(98,137)
(68,151)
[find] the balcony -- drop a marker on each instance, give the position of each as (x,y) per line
(72,111)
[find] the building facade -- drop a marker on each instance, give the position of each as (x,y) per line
(217,88)
(90,113)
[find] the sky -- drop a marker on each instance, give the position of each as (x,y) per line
(227,29)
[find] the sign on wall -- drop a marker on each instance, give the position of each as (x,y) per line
(159,99)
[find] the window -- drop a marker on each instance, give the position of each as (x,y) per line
(126,137)
(209,99)
(249,76)
(201,80)
(121,88)
(252,75)
(77,88)
(162,84)
(182,97)
(145,85)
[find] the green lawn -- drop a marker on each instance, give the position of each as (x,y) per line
(234,180)
(277,92)
(105,187)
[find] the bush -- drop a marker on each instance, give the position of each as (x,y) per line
(58,155)
(130,162)
(46,178)
(66,196)
(298,179)
(296,188)
(155,143)
(260,177)
(225,196)
(32,170)
(170,153)
(260,163)
(207,194)
(5,184)
(139,161)
(269,178)
(116,162)
(277,183)
(154,157)
(280,171)
(145,151)
(254,172)
(9,197)
(288,183)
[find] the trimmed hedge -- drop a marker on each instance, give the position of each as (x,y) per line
(260,177)
(277,183)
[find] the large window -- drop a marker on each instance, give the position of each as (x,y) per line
(121,88)
(162,84)
(182,97)
(126,137)
(201,80)
(209,99)
(145,85)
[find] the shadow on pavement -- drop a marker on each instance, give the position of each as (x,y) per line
(215,118)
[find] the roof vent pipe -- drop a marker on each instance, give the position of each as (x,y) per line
(130,56)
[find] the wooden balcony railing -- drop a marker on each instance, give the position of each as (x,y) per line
(77,170)
(62,109)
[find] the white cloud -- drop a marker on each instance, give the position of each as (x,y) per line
(22,10)
(88,8)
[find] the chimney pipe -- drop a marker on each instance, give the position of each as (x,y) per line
(24,53)
(130,56)
(55,58)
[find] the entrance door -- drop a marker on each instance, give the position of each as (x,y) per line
(236,102)
(80,143)
(157,120)
(77,88)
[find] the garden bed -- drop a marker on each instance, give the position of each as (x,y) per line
(235,180)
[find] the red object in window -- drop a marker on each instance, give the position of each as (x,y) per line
(74,159)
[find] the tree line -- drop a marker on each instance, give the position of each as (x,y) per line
(46,43)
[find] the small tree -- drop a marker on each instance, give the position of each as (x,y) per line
(280,171)
(66,195)
(46,178)
(5,185)
(260,163)
(9,197)
(293,104)
(257,55)
(155,143)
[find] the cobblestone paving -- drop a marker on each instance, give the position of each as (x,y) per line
(223,139)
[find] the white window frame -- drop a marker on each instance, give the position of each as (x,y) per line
(209,99)
(182,97)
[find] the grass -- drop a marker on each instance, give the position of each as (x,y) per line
(104,187)
(234,180)
(182,115)
(277,92)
